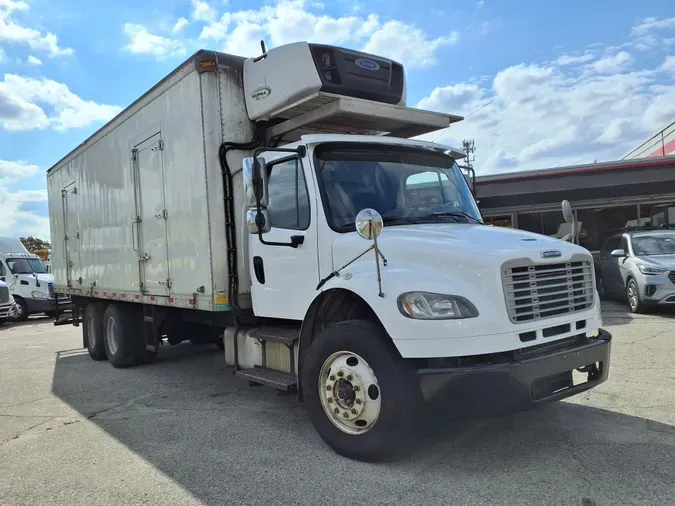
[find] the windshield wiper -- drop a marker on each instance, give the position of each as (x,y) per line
(393,219)
(456,214)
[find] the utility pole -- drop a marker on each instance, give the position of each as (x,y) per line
(469,148)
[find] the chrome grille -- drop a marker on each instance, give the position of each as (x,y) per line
(534,292)
(4,295)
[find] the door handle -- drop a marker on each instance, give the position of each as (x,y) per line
(297,240)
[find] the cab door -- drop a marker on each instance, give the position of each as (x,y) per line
(72,233)
(284,278)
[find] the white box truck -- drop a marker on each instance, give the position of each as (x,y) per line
(276,206)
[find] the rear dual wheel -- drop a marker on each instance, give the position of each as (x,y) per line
(116,333)
(361,397)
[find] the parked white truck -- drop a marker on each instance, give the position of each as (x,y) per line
(29,282)
(233,199)
(7,304)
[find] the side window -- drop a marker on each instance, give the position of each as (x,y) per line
(288,197)
(3,272)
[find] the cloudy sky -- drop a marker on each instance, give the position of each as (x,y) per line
(542,83)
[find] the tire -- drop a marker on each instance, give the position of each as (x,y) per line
(22,310)
(633,295)
(399,402)
(121,336)
(92,331)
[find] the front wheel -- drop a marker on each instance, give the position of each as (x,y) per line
(633,295)
(21,313)
(362,399)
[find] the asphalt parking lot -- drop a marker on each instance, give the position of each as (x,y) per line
(185,431)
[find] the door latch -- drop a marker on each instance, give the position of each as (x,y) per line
(144,258)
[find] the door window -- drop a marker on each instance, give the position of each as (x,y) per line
(288,197)
(612,244)
(3,272)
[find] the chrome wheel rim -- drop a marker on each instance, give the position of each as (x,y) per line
(632,295)
(349,393)
(111,335)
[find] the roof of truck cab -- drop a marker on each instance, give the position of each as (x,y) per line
(377,139)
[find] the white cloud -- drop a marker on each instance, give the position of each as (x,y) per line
(612,64)
(292,20)
(551,114)
(14,33)
(668,65)
(12,171)
(402,42)
(143,42)
(202,11)
(19,216)
(567,59)
(180,24)
(651,24)
(32,60)
(37,104)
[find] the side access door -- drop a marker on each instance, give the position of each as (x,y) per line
(284,278)
(150,238)
(71,238)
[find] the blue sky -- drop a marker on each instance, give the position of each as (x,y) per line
(544,83)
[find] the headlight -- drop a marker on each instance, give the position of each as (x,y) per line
(39,295)
(646,269)
(435,306)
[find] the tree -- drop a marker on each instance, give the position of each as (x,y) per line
(33,244)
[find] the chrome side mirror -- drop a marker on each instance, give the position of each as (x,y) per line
(618,253)
(255,181)
(369,224)
(257,223)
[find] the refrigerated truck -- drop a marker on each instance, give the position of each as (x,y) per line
(277,206)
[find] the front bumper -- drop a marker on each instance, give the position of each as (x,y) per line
(522,378)
(656,289)
(7,310)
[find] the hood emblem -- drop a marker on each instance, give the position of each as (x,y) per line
(552,253)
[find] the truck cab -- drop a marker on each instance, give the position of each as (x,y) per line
(31,286)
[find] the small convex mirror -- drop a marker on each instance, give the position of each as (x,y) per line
(567,212)
(369,223)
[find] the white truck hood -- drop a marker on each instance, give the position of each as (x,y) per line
(449,246)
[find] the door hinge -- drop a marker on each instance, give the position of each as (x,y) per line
(77,235)
(144,258)
(161,145)
(134,154)
(167,283)
(80,280)
(75,191)
(64,193)
(162,215)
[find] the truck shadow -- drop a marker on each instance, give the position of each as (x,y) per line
(228,443)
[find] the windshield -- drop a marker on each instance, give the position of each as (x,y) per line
(25,266)
(404,184)
(657,244)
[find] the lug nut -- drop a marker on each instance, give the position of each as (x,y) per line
(332,378)
(349,378)
(336,410)
(328,388)
(330,400)
(345,415)
(358,401)
(340,374)
(356,388)
(354,411)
